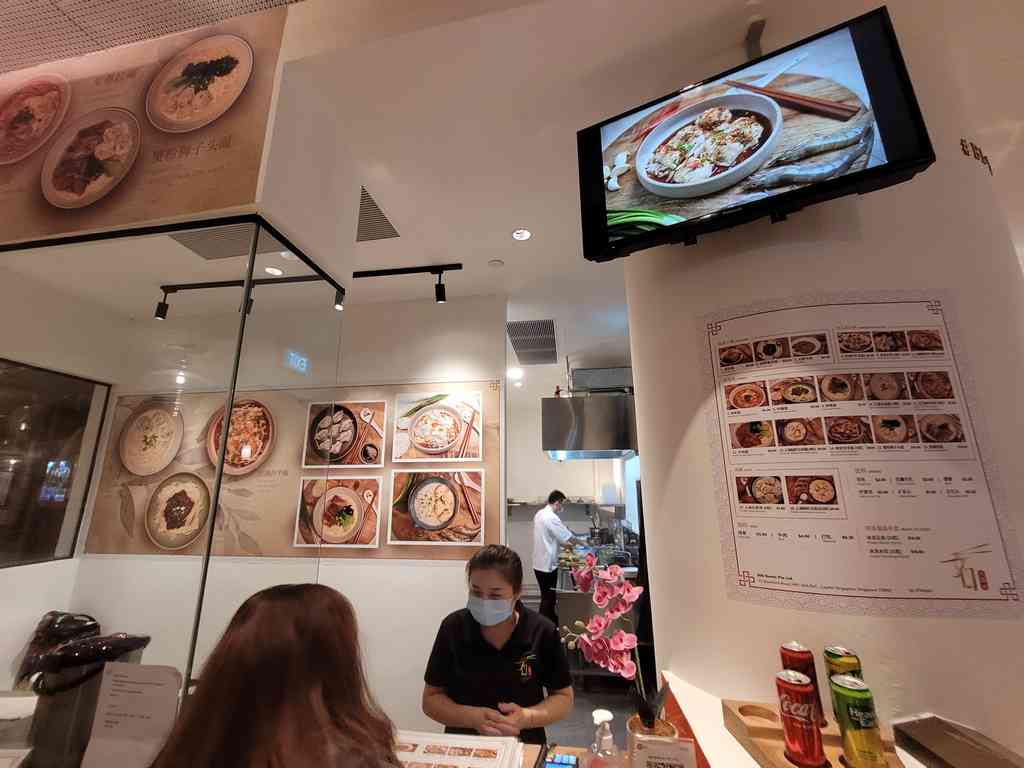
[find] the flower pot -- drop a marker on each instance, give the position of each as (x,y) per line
(635,728)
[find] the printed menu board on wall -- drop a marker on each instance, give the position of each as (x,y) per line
(161,128)
(848,464)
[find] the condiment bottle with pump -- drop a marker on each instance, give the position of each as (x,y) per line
(603,752)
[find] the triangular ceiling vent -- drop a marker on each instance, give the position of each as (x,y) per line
(373,224)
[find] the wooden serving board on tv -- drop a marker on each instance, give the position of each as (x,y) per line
(798,127)
(758,728)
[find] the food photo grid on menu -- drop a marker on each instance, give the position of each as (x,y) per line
(348,433)
(437,506)
(781,488)
(338,512)
(438,426)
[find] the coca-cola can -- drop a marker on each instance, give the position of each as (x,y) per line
(799,727)
(800,658)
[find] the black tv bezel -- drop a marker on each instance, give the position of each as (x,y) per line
(597,247)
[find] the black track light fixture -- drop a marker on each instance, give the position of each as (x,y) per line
(161,308)
(439,295)
(339,300)
(432,269)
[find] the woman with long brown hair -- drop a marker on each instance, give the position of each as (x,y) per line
(284,688)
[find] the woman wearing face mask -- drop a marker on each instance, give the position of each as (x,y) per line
(497,668)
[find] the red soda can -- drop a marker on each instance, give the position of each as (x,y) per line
(800,658)
(796,707)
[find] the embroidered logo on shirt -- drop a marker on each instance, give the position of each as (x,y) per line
(526,666)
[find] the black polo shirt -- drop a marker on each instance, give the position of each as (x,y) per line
(475,673)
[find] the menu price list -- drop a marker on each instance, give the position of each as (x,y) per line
(852,467)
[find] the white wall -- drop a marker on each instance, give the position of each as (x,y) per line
(399,603)
(941,231)
(531,474)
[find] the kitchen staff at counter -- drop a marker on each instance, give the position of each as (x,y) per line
(549,534)
(497,668)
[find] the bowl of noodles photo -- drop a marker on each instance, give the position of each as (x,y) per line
(199,84)
(30,114)
(338,515)
(709,146)
(433,503)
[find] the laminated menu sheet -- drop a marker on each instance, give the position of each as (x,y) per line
(850,469)
(433,750)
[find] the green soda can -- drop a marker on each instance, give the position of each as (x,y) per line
(841,661)
(858,723)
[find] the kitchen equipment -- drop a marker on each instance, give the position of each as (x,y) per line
(590,427)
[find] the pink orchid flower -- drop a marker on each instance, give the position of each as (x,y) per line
(612,573)
(602,595)
(584,580)
(586,647)
(631,594)
(591,559)
(622,641)
(600,645)
(597,625)
(616,610)
(628,668)
(615,663)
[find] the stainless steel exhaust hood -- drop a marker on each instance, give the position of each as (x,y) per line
(590,427)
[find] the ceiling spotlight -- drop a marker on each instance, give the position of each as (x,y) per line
(521,234)
(180,378)
(339,300)
(248,306)
(496,263)
(515,373)
(517,383)
(161,309)
(439,295)
(273,271)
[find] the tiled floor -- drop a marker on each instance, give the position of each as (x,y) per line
(578,729)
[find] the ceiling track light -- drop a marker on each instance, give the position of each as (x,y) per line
(429,269)
(339,300)
(439,295)
(161,308)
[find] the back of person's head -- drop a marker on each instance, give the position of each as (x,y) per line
(284,688)
(556,497)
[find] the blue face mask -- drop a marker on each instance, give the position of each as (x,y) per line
(489,612)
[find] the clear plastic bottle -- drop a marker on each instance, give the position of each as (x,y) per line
(603,752)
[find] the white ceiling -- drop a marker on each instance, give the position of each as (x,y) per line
(36,31)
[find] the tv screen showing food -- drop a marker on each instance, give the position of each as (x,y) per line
(831,115)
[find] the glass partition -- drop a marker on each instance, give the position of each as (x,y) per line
(179,386)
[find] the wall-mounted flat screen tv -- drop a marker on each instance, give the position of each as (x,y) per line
(831,115)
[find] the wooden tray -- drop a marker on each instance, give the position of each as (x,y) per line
(798,127)
(758,728)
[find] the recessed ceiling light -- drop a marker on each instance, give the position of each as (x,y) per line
(517,383)
(515,373)
(496,263)
(521,234)
(273,271)
(180,378)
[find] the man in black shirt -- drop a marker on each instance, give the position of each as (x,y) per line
(497,668)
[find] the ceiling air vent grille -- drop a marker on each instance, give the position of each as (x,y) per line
(226,242)
(533,341)
(373,224)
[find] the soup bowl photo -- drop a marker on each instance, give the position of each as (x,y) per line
(750,102)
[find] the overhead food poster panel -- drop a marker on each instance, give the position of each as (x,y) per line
(147,131)
(849,470)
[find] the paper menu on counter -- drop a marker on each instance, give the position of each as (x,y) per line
(432,750)
(134,714)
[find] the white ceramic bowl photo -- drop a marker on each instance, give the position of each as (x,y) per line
(753,102)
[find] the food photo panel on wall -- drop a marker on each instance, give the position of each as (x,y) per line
(437,506)
(438,426)
(338,512)
(345,434)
